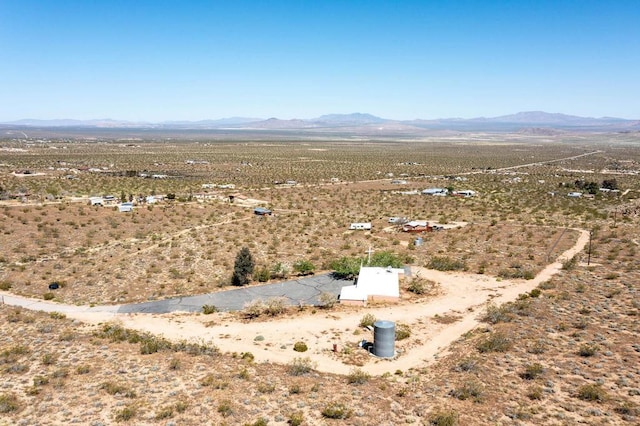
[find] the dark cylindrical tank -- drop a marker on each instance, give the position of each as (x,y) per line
(384,339)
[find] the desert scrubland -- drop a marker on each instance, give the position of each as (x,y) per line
(565,351)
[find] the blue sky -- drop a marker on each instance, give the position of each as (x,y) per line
(191,60)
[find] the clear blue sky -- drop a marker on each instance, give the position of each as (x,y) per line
(190,60)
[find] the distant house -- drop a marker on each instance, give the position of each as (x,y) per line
(574,194)
(398,220)
(261,211)
(96,201)
(416,226)
(373,284)
(125,207)
(360,226)
(399,182)
(435,191)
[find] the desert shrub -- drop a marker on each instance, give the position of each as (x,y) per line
(225,408)
(279,270)
(164,413)
(262,274)
(444,263)
(275,306)
(113,388)
(535,393)
(57,315)
(358,377)
(301,366)
(417,286)
(248,356)
(67,336)
(48,296)
(9,403)
(209,309)
(444,418)
(403,331)
(48,358)
(591,392)
(304,267)
(125,414)
(327,300)
(151,344)
(253,309)
(468,390)
(467,365)
(385,259)
(83,369)
(296,419)
(40,380)
(211,380)
(336,410)
(266,387)
(536,292)
(516,272)
(346,268)
(300,347)
(570,264)
(496,314)
(5,285)
(532,371)
(367,320)
(627,408)
(174,364)
(497,342)
(587,350)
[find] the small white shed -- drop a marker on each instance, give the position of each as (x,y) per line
(374,283)
(360,225)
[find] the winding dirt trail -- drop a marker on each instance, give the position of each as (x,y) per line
(463,295)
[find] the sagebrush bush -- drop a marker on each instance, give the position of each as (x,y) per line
(403,331)
(327,300)
(367,320)
(497,342)
(300,347)
(336,410)
(532,371)
(9,403)
(468,390)
(444,418)
(209,309)
(587,350)
(591,392)
(358,377)
(301,366)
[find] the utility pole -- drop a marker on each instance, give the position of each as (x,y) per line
(589,256)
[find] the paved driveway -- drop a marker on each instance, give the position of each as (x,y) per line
(304,290)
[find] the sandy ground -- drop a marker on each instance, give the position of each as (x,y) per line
(462,295)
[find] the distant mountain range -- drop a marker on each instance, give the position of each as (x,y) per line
(359,123)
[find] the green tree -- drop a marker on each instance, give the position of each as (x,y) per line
(386,258)
(243,267)
(304,267)
(346,267)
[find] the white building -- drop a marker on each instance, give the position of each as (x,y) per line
(373,284)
